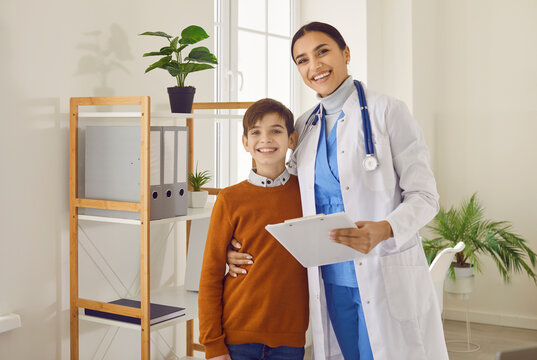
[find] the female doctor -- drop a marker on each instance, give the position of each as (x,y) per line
(362,152)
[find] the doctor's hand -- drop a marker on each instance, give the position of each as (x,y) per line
(363,239)
(221,357)
(235,259)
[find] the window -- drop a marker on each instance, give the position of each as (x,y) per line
(253,40)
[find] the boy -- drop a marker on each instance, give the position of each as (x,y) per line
(265,314)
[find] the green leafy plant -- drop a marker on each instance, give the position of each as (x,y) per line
(481,237)
(198,59)
(198,179)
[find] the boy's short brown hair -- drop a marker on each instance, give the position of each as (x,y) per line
(266,106)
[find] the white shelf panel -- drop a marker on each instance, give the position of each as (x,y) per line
(134,114)
(108,322)
(108,219)
(170,296)
(111,114)
(192,214)
(159,115)
(13,321)
(178,296)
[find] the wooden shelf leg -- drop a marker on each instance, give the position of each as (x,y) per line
(73,254)
(73,229)
(189,323)
(190,338)
(145,217)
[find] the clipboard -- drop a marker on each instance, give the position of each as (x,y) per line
(307,239)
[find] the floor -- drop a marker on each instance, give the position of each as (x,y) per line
(490,338)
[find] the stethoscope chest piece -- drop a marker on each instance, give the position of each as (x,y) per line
(370,162)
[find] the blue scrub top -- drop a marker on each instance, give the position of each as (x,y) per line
(328,199)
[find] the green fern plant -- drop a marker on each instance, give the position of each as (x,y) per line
(198,179)
(482,237)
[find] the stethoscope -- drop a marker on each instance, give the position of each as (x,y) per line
(370,161)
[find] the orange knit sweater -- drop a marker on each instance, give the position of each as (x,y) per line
(270,304)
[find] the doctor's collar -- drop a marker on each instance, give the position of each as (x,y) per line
(334,102)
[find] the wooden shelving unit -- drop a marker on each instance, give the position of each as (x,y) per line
(179,295)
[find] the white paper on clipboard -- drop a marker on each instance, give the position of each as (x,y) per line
(307,239)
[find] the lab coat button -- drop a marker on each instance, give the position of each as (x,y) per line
(347,188)
(360,263)
(368,301)
(343,151)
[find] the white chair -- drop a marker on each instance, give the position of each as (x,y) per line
(439,268)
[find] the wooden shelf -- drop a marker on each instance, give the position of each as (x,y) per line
(192,214)
(170,296)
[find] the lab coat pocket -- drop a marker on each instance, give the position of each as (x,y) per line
(407,283)
(383,177)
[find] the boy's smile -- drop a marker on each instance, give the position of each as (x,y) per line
(267,141)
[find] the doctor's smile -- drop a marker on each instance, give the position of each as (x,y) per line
(321,76)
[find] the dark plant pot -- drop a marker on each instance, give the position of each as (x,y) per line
(181,99)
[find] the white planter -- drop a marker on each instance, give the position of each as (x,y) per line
(197,199)
(463,285)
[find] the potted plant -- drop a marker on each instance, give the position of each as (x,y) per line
(198,197)
(482,237)
(172,60)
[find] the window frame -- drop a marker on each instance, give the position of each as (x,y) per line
(228,79)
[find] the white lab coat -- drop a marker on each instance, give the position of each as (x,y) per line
(400,307)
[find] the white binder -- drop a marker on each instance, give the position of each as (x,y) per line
(112,169)
(307,239)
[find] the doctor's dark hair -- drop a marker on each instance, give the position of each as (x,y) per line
(320,27)
(267,106)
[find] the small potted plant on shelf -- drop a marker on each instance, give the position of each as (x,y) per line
(482,237)
(199,58)
(198,197)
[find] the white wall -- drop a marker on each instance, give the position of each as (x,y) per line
(389,48)
(52,51)
(486,126)
(401,56)
(424,60)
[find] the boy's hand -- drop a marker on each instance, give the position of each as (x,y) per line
(221,357)
(368,235)
(235,259)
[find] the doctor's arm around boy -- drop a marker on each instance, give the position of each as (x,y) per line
(264,315)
